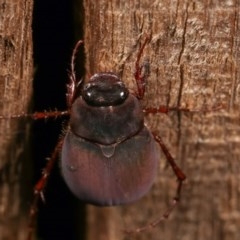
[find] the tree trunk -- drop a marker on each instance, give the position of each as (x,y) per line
(194,62)
(15,91)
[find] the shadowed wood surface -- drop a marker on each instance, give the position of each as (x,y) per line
(15,90)
(194,58)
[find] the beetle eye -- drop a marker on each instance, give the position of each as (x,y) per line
(104,89)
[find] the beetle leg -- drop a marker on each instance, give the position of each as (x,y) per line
(180,177)
(38,115)
(178,172)
(165,109)
(40,186)
(164,216)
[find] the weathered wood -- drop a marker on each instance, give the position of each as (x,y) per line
(194,62)
(15,90)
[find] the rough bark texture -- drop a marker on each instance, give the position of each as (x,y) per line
(15,90)
(194,55)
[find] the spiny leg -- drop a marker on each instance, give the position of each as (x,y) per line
(40,186)
(165,109)
(178,172)
(38,115)
(180,178)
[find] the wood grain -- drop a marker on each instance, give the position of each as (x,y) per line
(194,58)
(16,71)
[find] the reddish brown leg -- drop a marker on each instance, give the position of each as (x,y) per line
(139,77)
(38,115)
(178,172)
(180,178)
(165,109)
(40,186)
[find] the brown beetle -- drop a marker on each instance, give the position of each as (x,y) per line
(108,156)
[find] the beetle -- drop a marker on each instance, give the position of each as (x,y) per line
(107,154)
(109,157)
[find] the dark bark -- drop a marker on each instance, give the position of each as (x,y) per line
(15,92)
(194,58)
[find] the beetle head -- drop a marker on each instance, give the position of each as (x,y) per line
(104,89)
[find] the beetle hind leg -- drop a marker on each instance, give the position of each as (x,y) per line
(180,178)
